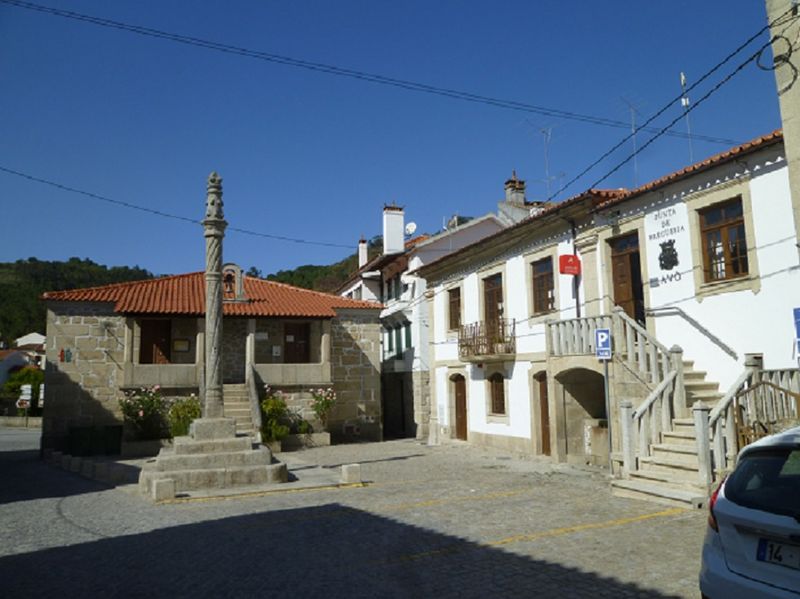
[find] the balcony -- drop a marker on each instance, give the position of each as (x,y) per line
(487,341)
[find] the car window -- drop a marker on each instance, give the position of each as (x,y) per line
(767,480)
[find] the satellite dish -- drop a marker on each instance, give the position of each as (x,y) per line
(410,228)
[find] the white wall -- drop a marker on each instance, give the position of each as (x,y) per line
(758,322)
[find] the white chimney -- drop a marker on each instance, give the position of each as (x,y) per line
(393,229)
(362,252)
(515,190)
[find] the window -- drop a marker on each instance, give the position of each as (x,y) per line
(357,293)
(544,299)
(389,284)
(497,390)
(454,309)
(398,339)
(407,327)
(398,287)
(724,244)
(390,334)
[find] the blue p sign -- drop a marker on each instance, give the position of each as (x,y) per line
(602,344)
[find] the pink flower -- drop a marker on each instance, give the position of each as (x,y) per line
(141,413)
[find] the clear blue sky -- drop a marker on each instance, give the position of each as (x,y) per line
(315,156)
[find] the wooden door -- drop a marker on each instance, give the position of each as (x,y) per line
(626,276)
(544,412)
(155,341)
(460,388)
(493,306)
(296,346)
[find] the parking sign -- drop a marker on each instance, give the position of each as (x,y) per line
(602,344)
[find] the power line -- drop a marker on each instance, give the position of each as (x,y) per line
(688,109)
(669,104)
(351,73)
(155,212)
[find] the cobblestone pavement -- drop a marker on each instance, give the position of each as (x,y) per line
(448,521)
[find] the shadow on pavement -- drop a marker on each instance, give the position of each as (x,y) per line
(25,477)
(327,551)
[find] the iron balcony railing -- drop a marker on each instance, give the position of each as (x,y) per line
(480,339)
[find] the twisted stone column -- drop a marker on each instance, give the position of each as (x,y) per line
(214,230)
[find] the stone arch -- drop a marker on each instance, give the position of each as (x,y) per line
(580,401)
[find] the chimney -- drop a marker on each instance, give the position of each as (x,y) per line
(362,252)
(393,234)
(515,190)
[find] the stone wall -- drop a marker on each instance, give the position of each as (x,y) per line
(269,334)
(422,402)
(184,329)
(81,389)
(234,347)
(356,366)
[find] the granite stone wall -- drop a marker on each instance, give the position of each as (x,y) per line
(85,360)
(355,361)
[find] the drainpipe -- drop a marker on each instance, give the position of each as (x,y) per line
(576,289)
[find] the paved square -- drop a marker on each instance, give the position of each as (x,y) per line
(448,521)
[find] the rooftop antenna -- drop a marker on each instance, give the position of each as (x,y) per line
(547,133)
(633,111)
(685,104)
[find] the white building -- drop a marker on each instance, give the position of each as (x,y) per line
(704,260)
(389,278)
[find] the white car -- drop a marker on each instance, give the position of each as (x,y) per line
(752,545)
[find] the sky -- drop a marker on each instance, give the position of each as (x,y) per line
(313,156)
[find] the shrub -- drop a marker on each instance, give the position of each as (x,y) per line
(27,375)
(181,414)
(275,425)
(279,421)
(145,412)
(322,402)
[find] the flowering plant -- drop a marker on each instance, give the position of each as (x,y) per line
(145,410)
(322,401)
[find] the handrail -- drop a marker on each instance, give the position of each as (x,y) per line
(670,310)
(654,394)
(788,392)
(726,400)
(640,329)
(255,409)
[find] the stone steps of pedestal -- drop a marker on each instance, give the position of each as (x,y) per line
(167,462)
(188,446)
(215,478)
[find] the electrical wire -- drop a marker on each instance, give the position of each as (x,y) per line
(672,102)
(193,221)
(351,73)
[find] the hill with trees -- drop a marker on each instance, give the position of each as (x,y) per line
(23,281)
(323,278)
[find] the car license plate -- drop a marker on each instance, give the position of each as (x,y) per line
(782,554)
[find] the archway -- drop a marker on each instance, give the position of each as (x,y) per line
(582,418)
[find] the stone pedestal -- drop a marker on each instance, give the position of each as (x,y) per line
(211,457)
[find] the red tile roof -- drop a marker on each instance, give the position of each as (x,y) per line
(185,294)
(747,147)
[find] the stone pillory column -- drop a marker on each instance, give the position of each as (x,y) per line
(214,225)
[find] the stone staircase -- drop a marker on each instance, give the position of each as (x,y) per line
(236,405)
(670,474)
